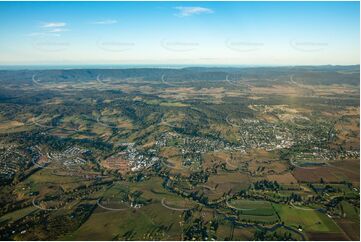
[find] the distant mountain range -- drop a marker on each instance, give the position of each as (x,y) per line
(307,74)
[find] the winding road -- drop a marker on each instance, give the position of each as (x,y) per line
(174,209)
(45,209)
(111,209)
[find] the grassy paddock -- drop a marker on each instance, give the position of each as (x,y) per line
(310,220)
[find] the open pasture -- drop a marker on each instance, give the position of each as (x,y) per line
(252,207)
(310,220)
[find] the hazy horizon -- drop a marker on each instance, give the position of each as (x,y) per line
(180,33)
(135,66)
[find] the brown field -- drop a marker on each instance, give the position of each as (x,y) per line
(224,231)
(351,168)
(243,234)
(352,229)
(346,170)
(333,89)
(11,124)
(259,154)
(174,118)
(287,90)
(348,111)
(228,177)
(348,165)
(232,159)
(227,182)
(149,144)
(116,163)
(303,90)
(286,178)
(186,93)
(283,113)
(326,236)
(174,159)
(348,132)
(315,174)
(267,167)
(169,152)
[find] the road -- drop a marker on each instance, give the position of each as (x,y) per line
(174,209)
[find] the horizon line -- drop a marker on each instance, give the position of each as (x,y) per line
(129,66)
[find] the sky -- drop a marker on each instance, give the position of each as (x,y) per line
(179,33)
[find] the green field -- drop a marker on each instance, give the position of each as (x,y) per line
(110,225)
(310,220)
(254,211)
(253,207)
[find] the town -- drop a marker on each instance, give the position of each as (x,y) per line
(147,160)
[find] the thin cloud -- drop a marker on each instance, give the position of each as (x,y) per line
(53,25)
(43,34)
(108,21)
(188,11)
(58,30)
(51,29)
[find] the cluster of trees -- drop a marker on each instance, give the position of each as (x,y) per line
(196,231)
(198,177)
(295,197)
(262,235)
(266,185)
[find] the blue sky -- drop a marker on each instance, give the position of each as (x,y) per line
(194,33)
